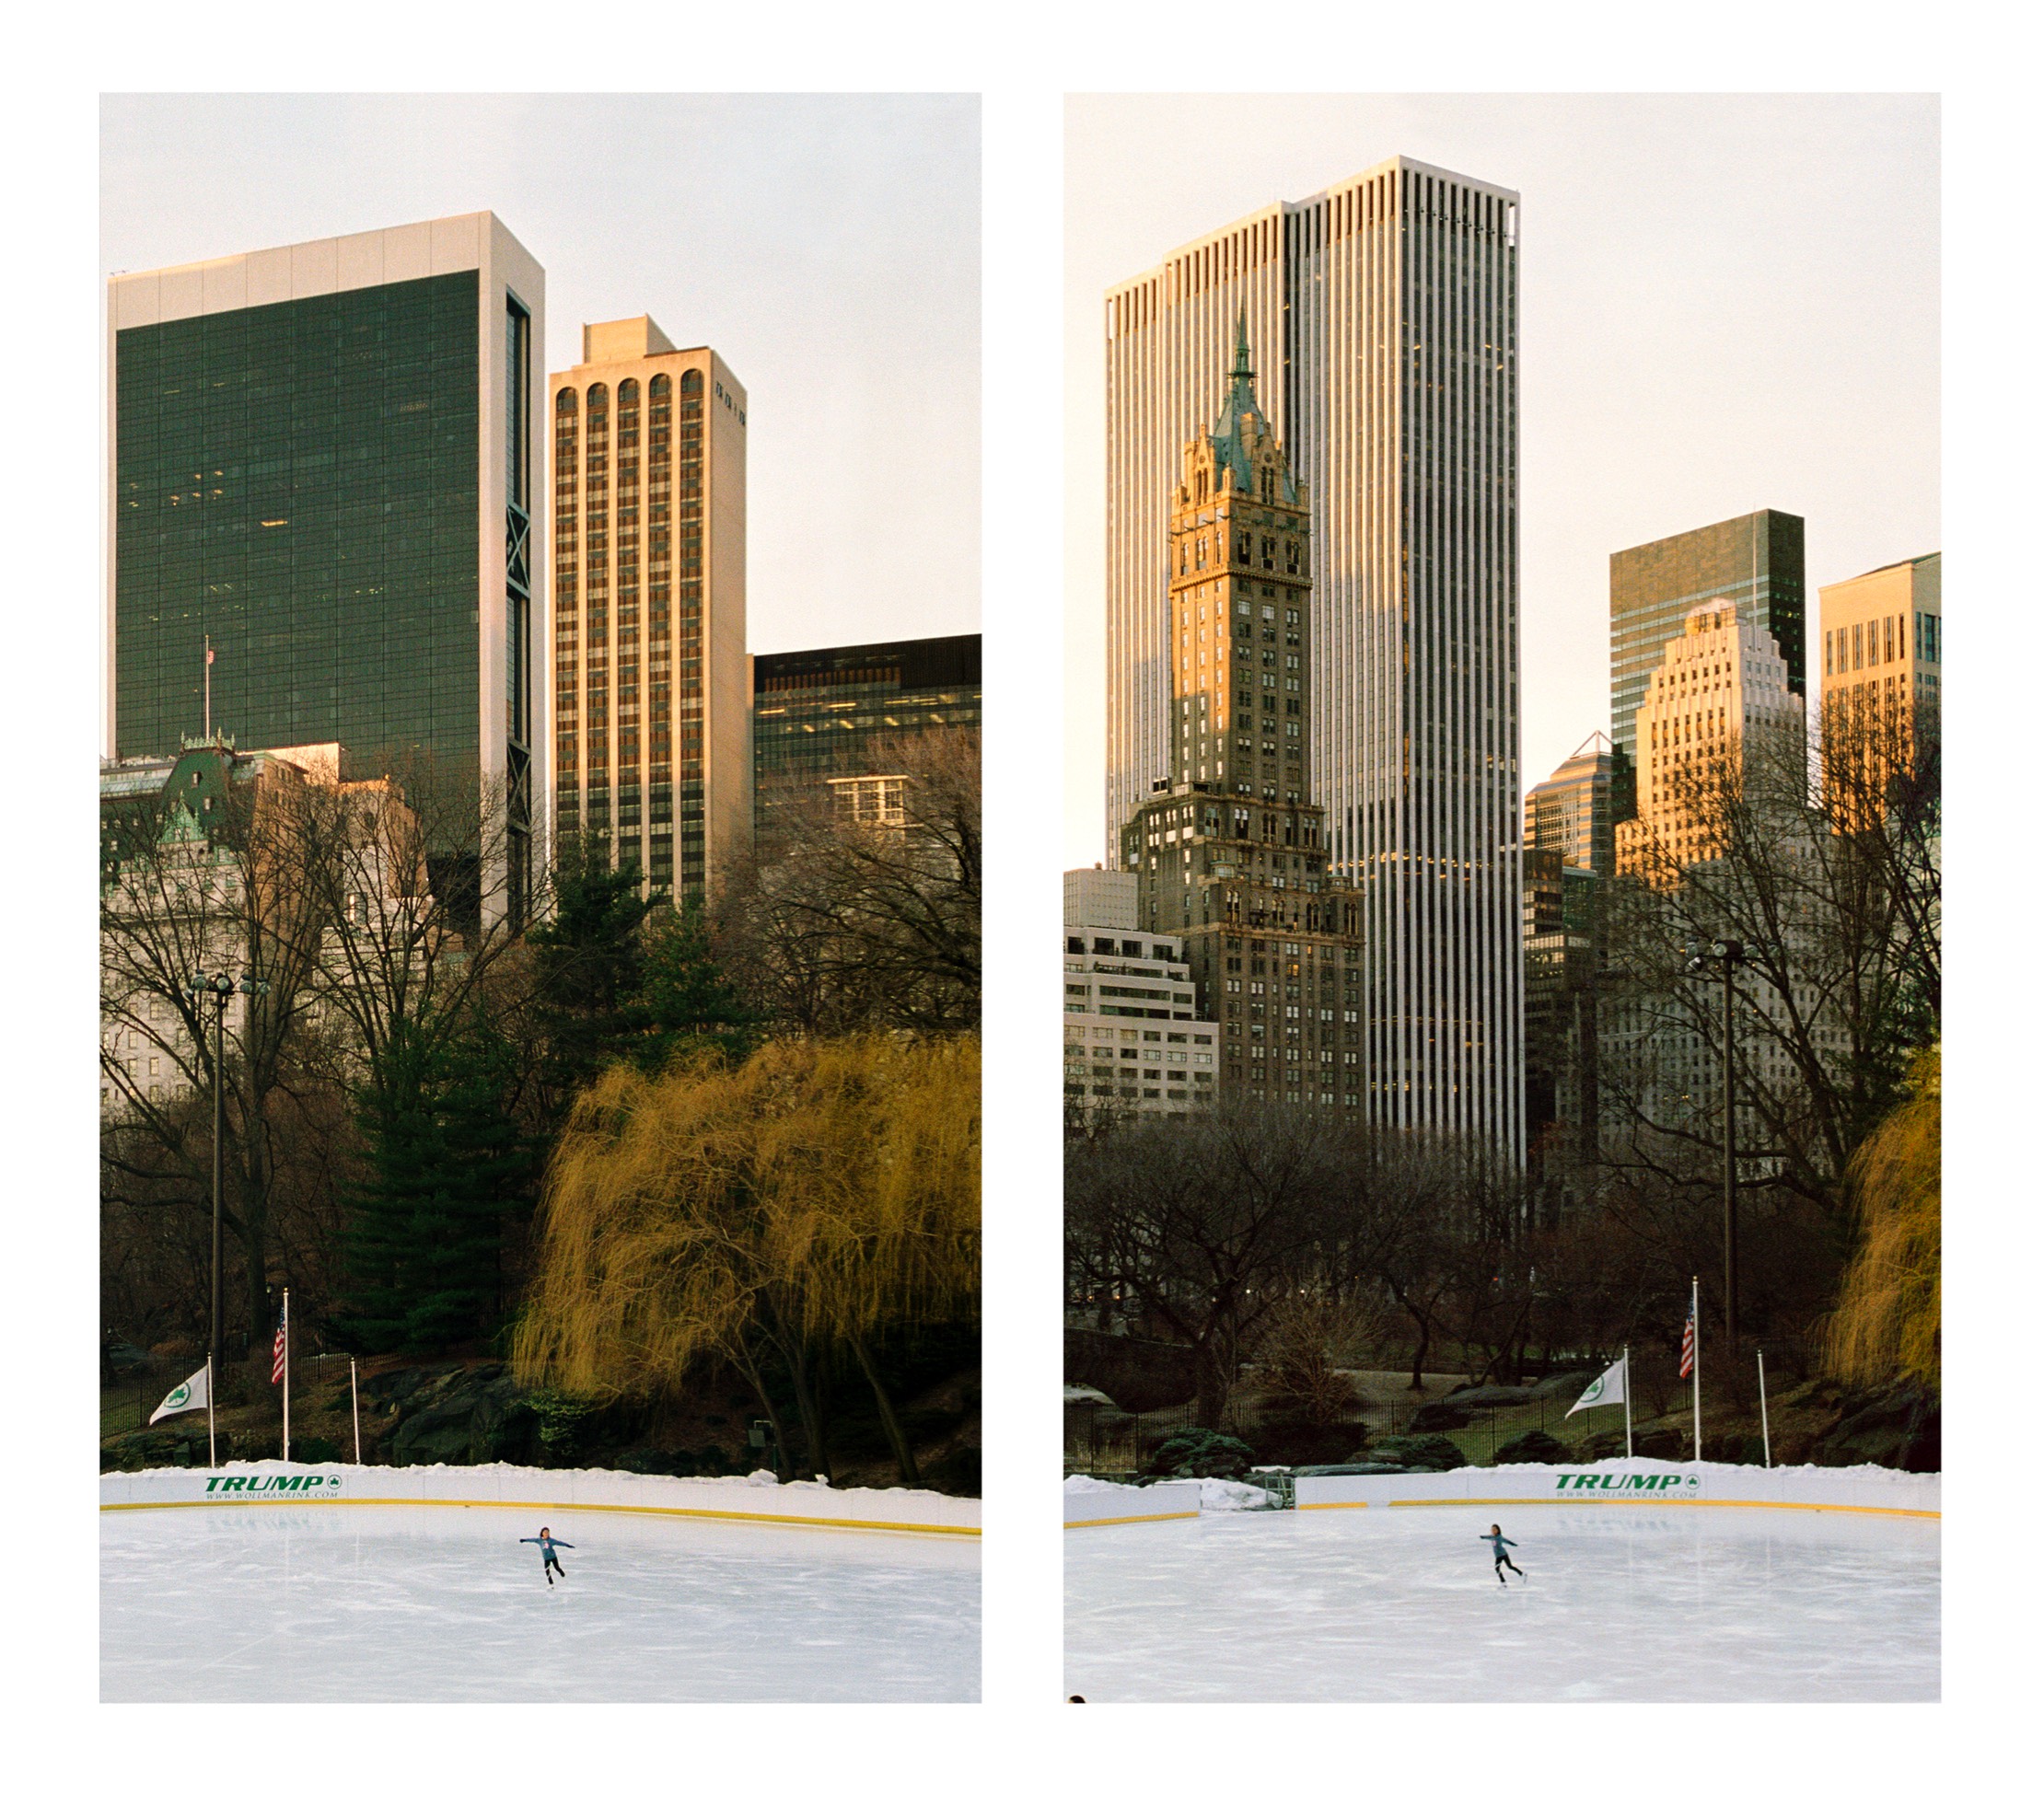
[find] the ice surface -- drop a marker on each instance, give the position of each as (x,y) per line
(444,1604)
(1617,1604)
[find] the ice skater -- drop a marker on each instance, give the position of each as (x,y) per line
(1501,1560)
(546,1543)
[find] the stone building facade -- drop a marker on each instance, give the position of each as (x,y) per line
(1229,854)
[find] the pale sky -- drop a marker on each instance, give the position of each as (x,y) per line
(826,246)
(1725,303)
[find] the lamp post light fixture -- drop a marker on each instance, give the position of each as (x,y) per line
(1722,958)
(219,987)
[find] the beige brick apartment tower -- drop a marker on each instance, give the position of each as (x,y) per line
(653,756)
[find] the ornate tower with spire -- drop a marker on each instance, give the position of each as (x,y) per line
(1384,315)
(1227,852)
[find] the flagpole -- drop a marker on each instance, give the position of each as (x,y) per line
(287,1373)
(1626,1360)
(1767,1450)
(211,1402)
(355,1402)
(1695,1373)
(209,687)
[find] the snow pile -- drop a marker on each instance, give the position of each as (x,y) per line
(1222,1495)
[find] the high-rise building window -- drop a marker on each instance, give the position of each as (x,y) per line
(517,403)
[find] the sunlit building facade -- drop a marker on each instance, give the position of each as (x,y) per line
(1717,708)
(1883,651)
(1755,561)
(651,740)
(1229,854)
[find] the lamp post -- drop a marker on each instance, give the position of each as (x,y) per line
(219,988)
(1722,958)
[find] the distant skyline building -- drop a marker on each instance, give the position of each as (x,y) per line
(320,459)
(1883,636)
(1570,853)
(1384,313)
(1719,700)
(1570,811)
(823,716)
(652,741)
(1756,561)
(1563,937)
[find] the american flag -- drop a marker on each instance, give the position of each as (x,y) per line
(1689,1340)
(277,1350)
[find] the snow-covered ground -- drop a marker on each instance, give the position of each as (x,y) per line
(1662,1603)
(344,1604)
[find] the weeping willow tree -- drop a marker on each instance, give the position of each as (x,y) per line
(809,1203)
(1887,1317)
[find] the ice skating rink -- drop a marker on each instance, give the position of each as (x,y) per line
(342,1604)
(1664,1604)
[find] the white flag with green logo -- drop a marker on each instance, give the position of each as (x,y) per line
(190,1393)
(1610,1387)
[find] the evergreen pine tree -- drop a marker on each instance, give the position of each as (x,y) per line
(685,999)
(591,964)
(448,1167)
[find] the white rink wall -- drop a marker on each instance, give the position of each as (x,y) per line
(1869,1488)
(1094,1502)
(758,1497)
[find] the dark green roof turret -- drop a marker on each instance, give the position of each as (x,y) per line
(1242,424)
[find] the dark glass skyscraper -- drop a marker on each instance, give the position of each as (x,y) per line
(1757,560)
(321,468)
(826,713)
(1569,812)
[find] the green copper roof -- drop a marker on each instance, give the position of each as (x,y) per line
(1242,423)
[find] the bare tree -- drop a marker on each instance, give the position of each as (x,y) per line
(861,909)
(413,870)
(1208,1221)
(317,894)
(208,880)
(1834,897)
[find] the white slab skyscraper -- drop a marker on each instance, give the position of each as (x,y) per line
(1383,319)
